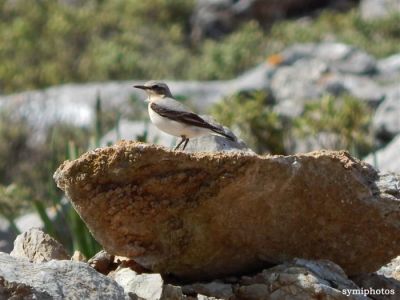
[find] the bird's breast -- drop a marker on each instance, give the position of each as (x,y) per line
(173,127)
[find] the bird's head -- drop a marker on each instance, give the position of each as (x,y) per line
(155,88)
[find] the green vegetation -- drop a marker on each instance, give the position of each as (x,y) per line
(26,171)
(49,42)
(250,116)
(13,201)
(336,123)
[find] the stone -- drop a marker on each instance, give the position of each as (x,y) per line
(13,290)
(359,63)
(102,262)
(378,287)
(144,286)
(337,57)
(299,279)
(60,279)
(78,256)
(386,121)
(386,159)
(392,269)
(204,215)
(212,289)
(37,246)
(172,292)
(389,68)
(298,81)
(360,87)
(377,9)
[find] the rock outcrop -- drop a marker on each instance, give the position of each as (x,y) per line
(205,215)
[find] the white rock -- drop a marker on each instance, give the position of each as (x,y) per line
(146,286)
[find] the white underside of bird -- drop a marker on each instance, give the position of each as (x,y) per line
(172,127)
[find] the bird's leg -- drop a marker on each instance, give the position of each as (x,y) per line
(186,142)
(180,143)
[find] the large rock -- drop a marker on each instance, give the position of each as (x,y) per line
(203,215)
(37,246)
(57,280)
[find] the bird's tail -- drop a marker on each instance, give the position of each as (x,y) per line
(220,131)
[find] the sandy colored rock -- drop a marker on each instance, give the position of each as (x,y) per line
(205,215)
(38,246)
(78,256)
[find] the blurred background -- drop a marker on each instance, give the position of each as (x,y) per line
(286,76)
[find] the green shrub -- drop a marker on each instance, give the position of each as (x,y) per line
(250,116)
(346,120)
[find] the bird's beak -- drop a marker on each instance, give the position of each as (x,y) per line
(142,87)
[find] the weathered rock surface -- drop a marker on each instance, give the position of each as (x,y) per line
(392,269)
(37,246)
(13,290)
(378,287)
(204,215)
(146,286)
(58,279)
(298,280)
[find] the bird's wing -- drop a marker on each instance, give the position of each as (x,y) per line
(180,115)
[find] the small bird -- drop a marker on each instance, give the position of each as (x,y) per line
(173,117)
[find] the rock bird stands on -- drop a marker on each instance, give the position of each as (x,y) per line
(174,118)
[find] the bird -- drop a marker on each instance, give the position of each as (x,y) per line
(174,118)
